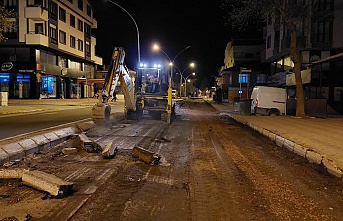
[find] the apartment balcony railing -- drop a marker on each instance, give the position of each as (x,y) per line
(36,13)
(36,39)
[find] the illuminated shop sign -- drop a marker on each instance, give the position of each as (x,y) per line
(6,66)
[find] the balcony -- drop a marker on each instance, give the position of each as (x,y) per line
(97,60)
(36,39)
(36,13)
(94,23)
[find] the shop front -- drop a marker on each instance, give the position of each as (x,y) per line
(16,78)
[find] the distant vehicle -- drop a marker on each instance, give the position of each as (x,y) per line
(269,101)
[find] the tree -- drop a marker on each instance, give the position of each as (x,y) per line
(293,14)
(6,21)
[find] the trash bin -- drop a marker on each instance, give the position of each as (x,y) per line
(245,106)
(236,104)
(3,98)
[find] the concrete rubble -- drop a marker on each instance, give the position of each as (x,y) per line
(39,180)
(146,156)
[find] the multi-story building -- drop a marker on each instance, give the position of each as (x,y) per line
(242,68)
(319,36)
(48,49)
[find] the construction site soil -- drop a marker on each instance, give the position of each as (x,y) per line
(211,168)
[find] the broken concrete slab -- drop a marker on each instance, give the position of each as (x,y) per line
(84,126)
(145,155)
(69,150)
(109,151)
(47,182)
(11,173)
(87,144)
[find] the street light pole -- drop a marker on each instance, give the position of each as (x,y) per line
(138,46)
(169,104)
(186,82)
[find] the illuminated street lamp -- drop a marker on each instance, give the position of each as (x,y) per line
(188,80)
(191,65)
(169,105)
(138,46)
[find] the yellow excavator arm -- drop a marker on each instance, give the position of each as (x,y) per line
(117,72)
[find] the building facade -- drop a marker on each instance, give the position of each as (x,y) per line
(242,68)
(319,36)
(48,49)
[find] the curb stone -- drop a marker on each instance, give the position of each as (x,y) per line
(22,148)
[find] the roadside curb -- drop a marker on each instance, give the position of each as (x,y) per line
(16,150)
(305,152)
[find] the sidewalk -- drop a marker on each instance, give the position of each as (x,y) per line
(16,106)
(316,139)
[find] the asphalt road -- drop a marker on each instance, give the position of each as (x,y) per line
(12,125)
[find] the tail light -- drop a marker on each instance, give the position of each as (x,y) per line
(256,102)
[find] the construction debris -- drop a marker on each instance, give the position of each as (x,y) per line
(146,156)
(86,144)
(39,180)
(69,150)
(109,151)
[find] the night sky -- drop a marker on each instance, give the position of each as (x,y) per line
(173,24)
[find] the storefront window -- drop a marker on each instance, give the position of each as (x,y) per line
(4,82)
(48,88)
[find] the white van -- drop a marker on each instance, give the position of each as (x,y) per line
(268,101)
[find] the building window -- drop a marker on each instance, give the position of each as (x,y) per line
(325,5)
(88,49)
(269,41)
(89,10)
(39,28)
(62,14)
(47,57)
(53,10)
(63,39)
(53,35)
(72,41)
(80,4)
(79,25)
(71,1)
(8,3)
(79,45)
(87,30)
(72,20)
(243,78)
(321,31)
